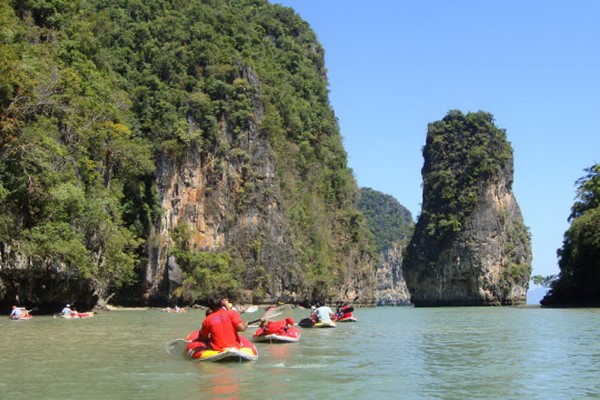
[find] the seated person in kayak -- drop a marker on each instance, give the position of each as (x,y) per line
(220,328)
(276,327)
(322,314)
(345,311)
(227,305)
(66,311)
(18,312)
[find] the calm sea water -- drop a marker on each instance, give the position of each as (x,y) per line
(391,353)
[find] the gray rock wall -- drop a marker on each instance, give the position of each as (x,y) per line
(487,263)
(391,286)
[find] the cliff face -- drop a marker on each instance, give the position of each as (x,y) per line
(226,211)
(180,150)
(391,286)
(480,254)
(391,225)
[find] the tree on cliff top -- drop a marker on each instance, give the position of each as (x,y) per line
(388,220)
(578,283)
(462,153)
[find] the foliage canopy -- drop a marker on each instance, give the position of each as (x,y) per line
(578,283)
(92,93)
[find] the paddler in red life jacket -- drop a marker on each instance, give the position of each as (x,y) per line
(276,327)
(345,311)
(220,328)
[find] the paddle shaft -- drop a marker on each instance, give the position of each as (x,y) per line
(268,317)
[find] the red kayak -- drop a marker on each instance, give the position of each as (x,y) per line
(344,314)
(23,317)
(350,318)
(287,335)
(78,315)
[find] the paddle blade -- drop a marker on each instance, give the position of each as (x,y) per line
(278,313)
(176,348)
(251,309)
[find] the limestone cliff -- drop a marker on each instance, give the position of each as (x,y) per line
(391,225)
(175,150)
(226,210)
(470,245)
(391,286)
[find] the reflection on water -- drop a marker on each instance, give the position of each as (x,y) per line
(221,381)
(445,353)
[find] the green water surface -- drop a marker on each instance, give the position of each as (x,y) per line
(391,353)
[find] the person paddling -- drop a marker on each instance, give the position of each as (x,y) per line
(345,311)
(276,327)
(15,313)
(323,313)
(67,311)
(220,328)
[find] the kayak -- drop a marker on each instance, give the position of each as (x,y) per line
(174,310)
(290,335)
(350,318)
(309,323)
(199,351)
(23,318)
(344,314)
(79,315)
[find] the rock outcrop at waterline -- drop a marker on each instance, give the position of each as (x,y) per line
(470,245)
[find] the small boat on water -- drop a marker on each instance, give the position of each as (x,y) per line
(197,350)
(289,335)
(23,318)
(350,318)
(21,313)
(310,323)
(79,315)
(174,310)
(344,314)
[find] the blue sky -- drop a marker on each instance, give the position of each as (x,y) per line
(396,65)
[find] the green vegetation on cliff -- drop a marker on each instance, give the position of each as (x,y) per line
(92,93)
(470,245)
(578,283)
(462,154)
(388,220)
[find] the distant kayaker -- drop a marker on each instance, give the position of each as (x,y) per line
(227,305)
(67,311)
(323,313)
(276,327)
(220,328)
(345,311)
(16,312)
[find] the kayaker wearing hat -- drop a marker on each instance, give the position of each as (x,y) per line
(66,312)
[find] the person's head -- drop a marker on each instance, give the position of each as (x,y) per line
(289,321)
(226,304)
(68,305)
(14,307)
(214,303)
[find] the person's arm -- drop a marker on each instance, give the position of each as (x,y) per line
(203,334)
(241,327)
(238,323)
